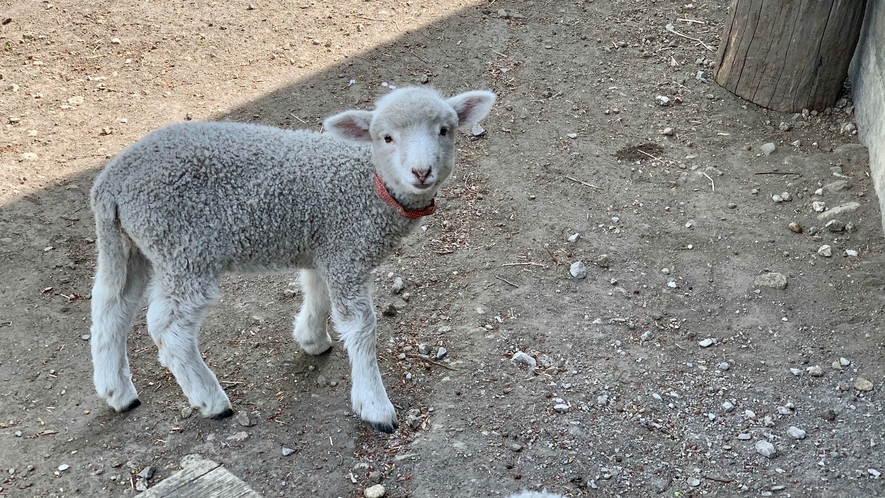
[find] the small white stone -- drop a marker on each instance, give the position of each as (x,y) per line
(662,100)
(844,362)
(706,343)
(63,467)
(601,400)
(572,135)
(795,371)
(561,408)
(728,406)
(796,433)
(766,449)
(578,269)
(819,206)
(750,414)
(815,371)
(786,196)
(767,148)
(288,451)
(851,253)
(825,251)
(777,199)
(723,366)
(523,359)
(376,491)
(874,473)
(574,238)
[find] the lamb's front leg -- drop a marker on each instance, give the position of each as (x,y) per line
(354,319)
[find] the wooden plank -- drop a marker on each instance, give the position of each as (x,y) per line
(201,478)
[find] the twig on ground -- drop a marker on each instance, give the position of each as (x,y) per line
(555,261)
(671,29)
(691,21)
(506,281)
(711,181)
(777,173)
(583,183)
(529,263)
(428,360)
(647,154)
(717,479)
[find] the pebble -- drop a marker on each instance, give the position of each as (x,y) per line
(783,410)
(476,130)
(441,353)
(862,384)
(245,420)
(766,449)
(424,348)
(603,261)
(663,100)
(835,226)
(397,286)
(825,251)
(772,280)
(561,408)
(841,209)
(795,371)
(376,491)
(706,343)
(795,227)
(815,371)
(601,400)
(728,406)
(572,135)
(668,132)
(85,337)
(578,269)
(63,467)
(851,253)
(239,437)
(819,206)
(523,359)
(187,411)
(146,473)
(694,482)
(744,436)
(768,148)
(786,196)
(829,415)
(516,447)
(844,362)
(749,414)
(777,199)
(796,433)
(389,310)
(723,366)
(287,451)
(574,238)
(874,473)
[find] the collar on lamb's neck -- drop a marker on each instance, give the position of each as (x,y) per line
(412,214)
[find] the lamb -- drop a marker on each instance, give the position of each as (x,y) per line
(190,201)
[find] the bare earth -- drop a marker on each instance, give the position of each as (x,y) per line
(674,231)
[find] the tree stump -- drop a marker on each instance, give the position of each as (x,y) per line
(788,55)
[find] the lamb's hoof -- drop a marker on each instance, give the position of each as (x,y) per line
(386,427)
(135,403)
(228,412)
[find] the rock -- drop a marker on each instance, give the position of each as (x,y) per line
(825,251)
(777,199)
(389,310)
(785,410)
(516,447)
(376,491)
(829,415)
(603,261)
(561,408)
(744,436)
(601,400)
(574,238)
(796,433)
(848,207)
(414,418)
(521,359)
(815,371)
(578,269)
(663,100)
(851,253)
(728,406)
(424,349)
(723,366)
(63,467)
(837,186)
(397,286)
(766,449)
(772,280)
(786,196)
(706,343)
(239,437)
(862,384)
(146,473)
(844,362)
(767,148)
(244,419)
(476,130)
(572,135)
(668,132)
(287,451)
(795,371)
(874,473)
(819,206)
(835,226)
(795,227)
(441,353)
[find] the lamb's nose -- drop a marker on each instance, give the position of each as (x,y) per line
(421,175)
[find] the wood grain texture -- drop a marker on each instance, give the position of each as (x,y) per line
(201,478)
(788,55)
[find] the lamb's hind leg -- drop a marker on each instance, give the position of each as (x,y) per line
(310,324)
(354,319)
(174,323)
(115,300)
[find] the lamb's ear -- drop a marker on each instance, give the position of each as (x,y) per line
(471,107)
(350,125)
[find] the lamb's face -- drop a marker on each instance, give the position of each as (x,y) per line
(414,145)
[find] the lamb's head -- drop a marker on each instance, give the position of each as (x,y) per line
(412,133)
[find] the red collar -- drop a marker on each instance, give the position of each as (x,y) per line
(412,214)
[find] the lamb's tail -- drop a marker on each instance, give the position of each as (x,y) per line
(113,245)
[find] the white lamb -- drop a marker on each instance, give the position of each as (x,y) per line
(188,202)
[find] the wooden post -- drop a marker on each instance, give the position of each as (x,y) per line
(788,55)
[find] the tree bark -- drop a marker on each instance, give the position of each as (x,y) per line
(788,55)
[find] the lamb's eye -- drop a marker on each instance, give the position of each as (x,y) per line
(443,131)
(388,139)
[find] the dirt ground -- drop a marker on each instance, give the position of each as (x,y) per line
(661,372)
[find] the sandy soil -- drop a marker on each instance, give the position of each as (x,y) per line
(678,231)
